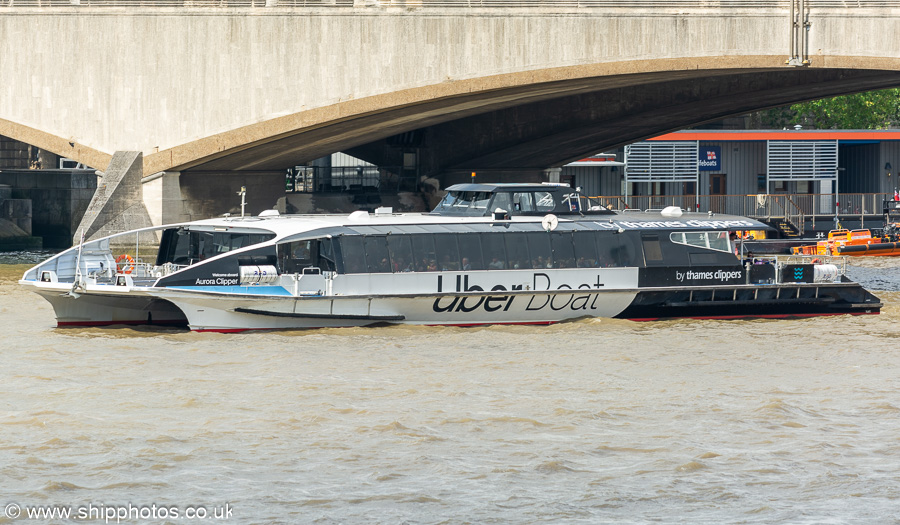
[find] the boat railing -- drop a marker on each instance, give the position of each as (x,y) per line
(794,206)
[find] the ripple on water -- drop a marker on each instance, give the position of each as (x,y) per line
(590,421)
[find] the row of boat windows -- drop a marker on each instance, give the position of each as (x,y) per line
(180,246)
(519,201)
(718,241)
(482,251)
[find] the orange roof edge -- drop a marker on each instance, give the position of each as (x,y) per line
(725,136)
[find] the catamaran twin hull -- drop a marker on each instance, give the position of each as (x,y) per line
(541,257)
(268,307)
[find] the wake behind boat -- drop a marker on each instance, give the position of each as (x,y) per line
(488,254)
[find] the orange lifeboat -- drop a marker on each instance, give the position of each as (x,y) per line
(852,243)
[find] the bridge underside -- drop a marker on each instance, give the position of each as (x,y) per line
(528,128)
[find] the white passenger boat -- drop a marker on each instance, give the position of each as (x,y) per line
(489,253)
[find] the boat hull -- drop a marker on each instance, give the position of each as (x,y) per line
(101,308)
(231,312)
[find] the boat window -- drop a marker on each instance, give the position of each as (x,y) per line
(586,249)
(326,255)
(539,250)
(449,200)
(517,251)
(494,253)
(652,249)
(470,251)
(423,253)
(447,251)
(719,241)
(480,200)
(544,200)
(465,202)
(523,202)
(377,256)
(293,257)
(708,240)
(617,250)
(502,201)
(400,247)
(353,254)
(181,246)
(475,251)
(563,250)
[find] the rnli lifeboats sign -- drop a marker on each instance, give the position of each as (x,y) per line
(710,158)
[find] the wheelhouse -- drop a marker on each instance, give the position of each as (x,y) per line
(481,200)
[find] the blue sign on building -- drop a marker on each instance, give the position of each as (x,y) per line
(710,158)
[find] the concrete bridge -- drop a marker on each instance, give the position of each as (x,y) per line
(246,89)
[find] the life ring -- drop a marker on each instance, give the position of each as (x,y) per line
(128,265)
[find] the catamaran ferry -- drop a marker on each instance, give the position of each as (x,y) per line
(488,254)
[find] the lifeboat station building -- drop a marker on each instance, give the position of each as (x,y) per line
(799,181)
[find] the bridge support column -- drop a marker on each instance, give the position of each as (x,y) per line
(163,199)
(118,203)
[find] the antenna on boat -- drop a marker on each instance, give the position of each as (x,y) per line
(243,194)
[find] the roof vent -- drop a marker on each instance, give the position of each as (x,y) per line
(359,215)
(671,211)
(384,210)
(269,213)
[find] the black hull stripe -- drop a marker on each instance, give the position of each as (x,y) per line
(321,316)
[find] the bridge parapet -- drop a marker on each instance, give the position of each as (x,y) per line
(505,5)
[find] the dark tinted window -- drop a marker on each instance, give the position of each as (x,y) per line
(470,251)
(563,250)
(400,247)
(447,252)
(326,255)
(652,249)
(517,251)
(181,246)
(585,249)
(615,249)
(378,260)
(494,253)
(423,253)
(539,250)
(354,254)
(293,257)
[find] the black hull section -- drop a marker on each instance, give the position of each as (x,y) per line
(776,301)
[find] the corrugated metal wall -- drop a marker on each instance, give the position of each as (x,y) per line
(596,180)
(744,161)
(890,152)
(741,163)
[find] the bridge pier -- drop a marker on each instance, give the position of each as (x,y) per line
(162,196)
(118,203)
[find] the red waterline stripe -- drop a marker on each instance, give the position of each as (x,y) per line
(111,323)
(237,330)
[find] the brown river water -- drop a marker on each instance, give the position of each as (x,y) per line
(594,421)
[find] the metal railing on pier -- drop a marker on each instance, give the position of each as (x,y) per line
(794,208)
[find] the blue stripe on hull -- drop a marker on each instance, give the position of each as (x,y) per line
(247,290)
